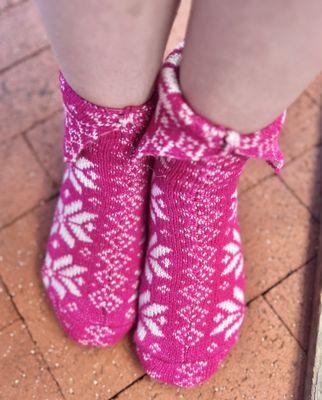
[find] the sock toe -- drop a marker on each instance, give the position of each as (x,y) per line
(87,326)
(186,374)
(94,334)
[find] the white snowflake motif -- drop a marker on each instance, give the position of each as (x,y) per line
(151,317)
(233,259)
(63,276)
(71,223)
(231,315)
(157,204)
(157,262)
(82,174)
(185,114)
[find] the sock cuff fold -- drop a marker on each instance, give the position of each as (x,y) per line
(176,131)
(86,122)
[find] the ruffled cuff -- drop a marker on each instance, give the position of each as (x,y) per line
(176,131)
(86,122)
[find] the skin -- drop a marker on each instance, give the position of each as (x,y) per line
(109,51)
(246,61)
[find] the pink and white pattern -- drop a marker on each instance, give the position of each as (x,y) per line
(192,291)
(94,254)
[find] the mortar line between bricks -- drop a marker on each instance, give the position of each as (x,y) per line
(36,157)
(10,6)
(301,154)
(253,186)
(115,396)
(308,94)
(31,210)
(32,126)
(282,279)
(291,191)
(25,58)
(288,163)
(32,339)
(258,183)
(9,324)
(284,324)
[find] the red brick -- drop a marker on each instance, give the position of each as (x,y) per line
(279,234)
(292,301)
(29,93)
(81,372)
(302,129)
(267,363)
(23,374)
(47,141)
(303,176)
(255,172)
(8,312)
(315,89)
(21,42)
(24,180)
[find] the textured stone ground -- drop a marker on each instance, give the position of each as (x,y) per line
(279,218)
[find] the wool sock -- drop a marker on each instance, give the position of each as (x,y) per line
(191,301)
(94,254)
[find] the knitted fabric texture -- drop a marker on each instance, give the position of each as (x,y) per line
(94,253)
(191,303)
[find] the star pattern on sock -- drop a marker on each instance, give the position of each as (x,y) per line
(94,252)
(192,291)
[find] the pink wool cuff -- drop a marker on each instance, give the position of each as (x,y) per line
(86,122)
(176,131)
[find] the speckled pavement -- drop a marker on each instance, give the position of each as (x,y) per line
(279,218)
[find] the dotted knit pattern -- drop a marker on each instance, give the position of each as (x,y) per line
(94,252)
(191,303)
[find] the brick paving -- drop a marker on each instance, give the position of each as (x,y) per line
(279,219)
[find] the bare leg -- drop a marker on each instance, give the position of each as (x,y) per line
(246,61)
(109,51)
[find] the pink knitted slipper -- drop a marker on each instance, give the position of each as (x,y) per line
(94,252)
(191,303)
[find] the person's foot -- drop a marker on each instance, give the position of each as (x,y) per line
(95,249)
(191,303)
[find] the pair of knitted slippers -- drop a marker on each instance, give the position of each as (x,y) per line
(176,270)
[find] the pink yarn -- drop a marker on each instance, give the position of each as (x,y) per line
(95,249)
(191,303)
